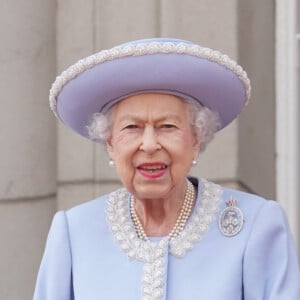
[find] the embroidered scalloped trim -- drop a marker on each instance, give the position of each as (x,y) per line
(146,49)
(205,215)
(152,253)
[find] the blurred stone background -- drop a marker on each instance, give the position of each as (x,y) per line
(46,167)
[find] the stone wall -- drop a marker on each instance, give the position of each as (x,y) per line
(28,141)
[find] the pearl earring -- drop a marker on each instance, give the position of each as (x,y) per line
(111,163)
(194,162)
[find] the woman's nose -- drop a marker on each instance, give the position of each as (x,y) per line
(149,142)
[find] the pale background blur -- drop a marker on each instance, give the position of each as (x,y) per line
(46,167)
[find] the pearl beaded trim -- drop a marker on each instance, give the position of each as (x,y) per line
(146,49)
(152,253)
(180,222)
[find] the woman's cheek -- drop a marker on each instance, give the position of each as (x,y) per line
(182,138)
(122,138)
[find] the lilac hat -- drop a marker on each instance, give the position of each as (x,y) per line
(159,65)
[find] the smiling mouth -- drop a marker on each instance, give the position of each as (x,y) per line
(152,168)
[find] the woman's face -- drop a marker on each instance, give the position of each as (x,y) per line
(152,145)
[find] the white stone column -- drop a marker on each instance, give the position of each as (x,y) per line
(257,150)
(27,139)
(75,39)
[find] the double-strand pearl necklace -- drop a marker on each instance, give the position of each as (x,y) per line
(180,222)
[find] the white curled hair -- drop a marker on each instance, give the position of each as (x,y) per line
(204,121)
(99,129)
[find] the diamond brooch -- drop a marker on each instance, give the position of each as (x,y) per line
(231,219)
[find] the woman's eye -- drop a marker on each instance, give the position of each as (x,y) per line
(168,126)
(131,126)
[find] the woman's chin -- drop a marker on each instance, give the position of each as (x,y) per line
(154,190)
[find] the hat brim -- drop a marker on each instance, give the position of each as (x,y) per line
(208,82)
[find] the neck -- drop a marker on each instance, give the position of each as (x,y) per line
(159,217)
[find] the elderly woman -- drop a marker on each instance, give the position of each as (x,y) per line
(156,104)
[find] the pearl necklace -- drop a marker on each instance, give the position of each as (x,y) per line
(180,222)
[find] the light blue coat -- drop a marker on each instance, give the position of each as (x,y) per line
(92,253)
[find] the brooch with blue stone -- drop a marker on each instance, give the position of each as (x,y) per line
(231,219)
